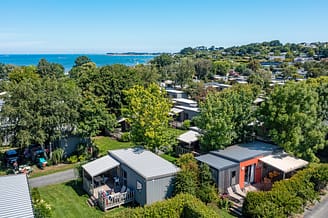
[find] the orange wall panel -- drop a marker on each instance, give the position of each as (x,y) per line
(242,170)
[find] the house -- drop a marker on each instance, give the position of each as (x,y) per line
(224,172)
(184,109)
(127,175)
(238,164)
(15,199)
(172,93)
(217,86)
(188,142)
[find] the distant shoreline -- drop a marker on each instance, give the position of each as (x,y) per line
(133,54)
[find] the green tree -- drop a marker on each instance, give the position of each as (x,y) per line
(221,67)
(40,110)
(261,78)
(162,60)
(79,61)
(254,65)
(203,68)
(94,116)
(289,72)
(46,69)
(184,183)
(224,116)
(148,113)
(185,70)
(5,69)
(291,116)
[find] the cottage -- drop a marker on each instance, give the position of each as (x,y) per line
(15,199)
(127,175)
(172,93)
(188,142)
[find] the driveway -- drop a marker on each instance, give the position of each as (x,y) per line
(54,178)
(320,210)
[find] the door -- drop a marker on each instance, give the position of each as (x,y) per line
(233,178)
(249,174)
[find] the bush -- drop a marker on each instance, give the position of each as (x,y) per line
(186,124)
(125,137)
(57,156)
(41,208)
(182,205)
(72,159)
(288,197)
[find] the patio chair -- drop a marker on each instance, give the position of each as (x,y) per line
(239,191)
(234,196)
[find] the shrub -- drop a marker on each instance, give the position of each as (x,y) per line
(57,156)
(72,159)
(41,208)
(186,124)
(288,197)
(182,205)
(125,137)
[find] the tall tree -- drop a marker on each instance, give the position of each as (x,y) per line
(291,116)
(52,70)
(203,68)
(185,70)
(40,110)
(79,61)
(148,113)
(221,67)
(224,116)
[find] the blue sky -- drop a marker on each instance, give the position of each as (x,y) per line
(98,26)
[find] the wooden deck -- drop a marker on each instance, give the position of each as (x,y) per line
(107,202)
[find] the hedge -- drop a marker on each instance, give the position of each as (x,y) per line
(182,205)
(288,197)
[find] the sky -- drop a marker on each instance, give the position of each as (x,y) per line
(100,26)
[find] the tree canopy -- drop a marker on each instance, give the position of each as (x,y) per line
(291,116)
(148,113)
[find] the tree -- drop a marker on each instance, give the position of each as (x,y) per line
(254,65)
(39,110)
(206,191)
(291,116)
(148,113)
(94,116)
(261,78)
(52,70)
(289,72)
(185,70)
(79,61)
(203,69)
(221,67)
(5,69)
(162,60)
(224,116)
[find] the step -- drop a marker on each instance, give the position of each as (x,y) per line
(90,202)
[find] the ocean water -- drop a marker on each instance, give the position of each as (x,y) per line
(67,60)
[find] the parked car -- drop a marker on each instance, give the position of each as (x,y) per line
(37,155)
(11,158)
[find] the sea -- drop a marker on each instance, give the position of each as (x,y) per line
(67,60)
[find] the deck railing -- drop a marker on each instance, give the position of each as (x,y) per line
(109,201)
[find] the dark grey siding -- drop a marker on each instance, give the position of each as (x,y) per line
(69,144)
(224,178)
(132,178)
(159,189)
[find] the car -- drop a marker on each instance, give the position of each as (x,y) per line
(11,158)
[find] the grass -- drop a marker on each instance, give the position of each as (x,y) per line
(169,158)
(106,143)
(51,169)
(69,200)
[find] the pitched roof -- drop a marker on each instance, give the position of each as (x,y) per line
(284,162)
(15,200)
(246,151)
(144,162)
(100,165)
(189,137)
(216,162)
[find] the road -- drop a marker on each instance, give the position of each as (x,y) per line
(54,178)
(320,210)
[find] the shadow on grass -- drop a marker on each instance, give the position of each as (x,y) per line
(77,186)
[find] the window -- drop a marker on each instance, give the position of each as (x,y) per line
(139,185)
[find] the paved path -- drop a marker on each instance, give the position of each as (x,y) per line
(54,178)
(320,210)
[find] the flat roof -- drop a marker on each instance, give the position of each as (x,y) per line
(100,165)
(15,199)
(195,109)
(217,162)
(246,151)
(174,91)
(144,162)
(284,162)
(176,110)
(184,100)
(189,137)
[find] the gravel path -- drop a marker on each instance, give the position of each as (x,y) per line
(54,178)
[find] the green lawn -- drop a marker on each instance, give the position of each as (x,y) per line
(69,200)
(170,158)
(51,169)
(106,143)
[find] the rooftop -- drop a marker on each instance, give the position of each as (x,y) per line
(100,165)
(184,100)
(189,137)
(15,199)
(216,162)
(246,151)
(144,162)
